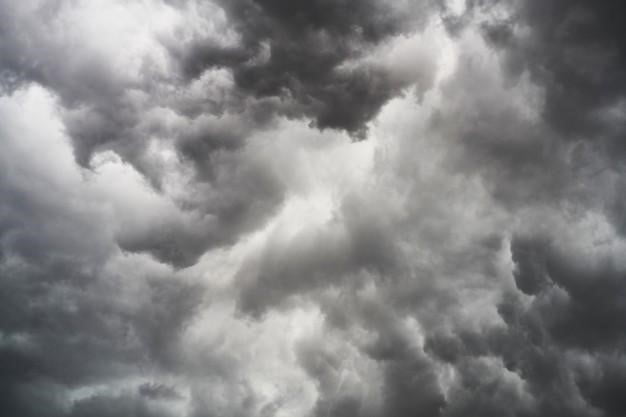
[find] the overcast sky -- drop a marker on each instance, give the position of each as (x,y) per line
(312,208)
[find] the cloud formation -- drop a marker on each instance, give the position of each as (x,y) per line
(312,208)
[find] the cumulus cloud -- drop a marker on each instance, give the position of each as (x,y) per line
(311,208)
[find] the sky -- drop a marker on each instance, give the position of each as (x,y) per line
(312,208)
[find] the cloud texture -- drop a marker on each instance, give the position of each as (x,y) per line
(258,208)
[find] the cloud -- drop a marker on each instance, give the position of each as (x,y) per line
(297,51)
(188,227)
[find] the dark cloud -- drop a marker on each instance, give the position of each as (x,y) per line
(110,406)
(561,155)
(105,109)
(155,390)
(353,242)
(291,60)
(589,314)
(66,322)
(551,345)
(301,52)
(186,228)
(576,51)
(59,336)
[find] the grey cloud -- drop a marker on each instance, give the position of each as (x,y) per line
(155,390)
(87,84)
(353,241)
(104,109)
(576,51)
(65,319)
(475,270)
(531,364)
(553,345)
(589,316)
(556,163)
(406,380)
(306,44)
(110,406)
(58,336)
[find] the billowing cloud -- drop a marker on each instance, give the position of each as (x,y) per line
(312,208)
(298,51)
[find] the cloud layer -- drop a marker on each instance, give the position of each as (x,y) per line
(312,208)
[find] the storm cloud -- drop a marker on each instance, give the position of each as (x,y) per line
(312,208)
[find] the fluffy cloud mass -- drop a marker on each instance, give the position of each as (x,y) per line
(312,208)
